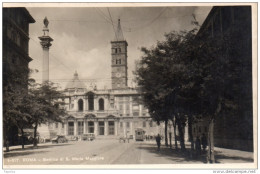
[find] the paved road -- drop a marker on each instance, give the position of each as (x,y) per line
(95,152)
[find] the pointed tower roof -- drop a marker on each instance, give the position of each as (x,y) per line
(119,33)
(75,83)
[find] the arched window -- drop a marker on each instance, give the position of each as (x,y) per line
(80,105)
(91,102)
(101,104)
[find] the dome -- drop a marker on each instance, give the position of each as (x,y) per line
(75,83)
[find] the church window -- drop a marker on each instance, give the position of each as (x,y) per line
(115,50)
(119,50)
(101,104)
(80,127)
(80,105)
(90,127)
(127,124)
(71,128)
(91,102)
(111,128)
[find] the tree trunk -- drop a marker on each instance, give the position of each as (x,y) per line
(181,134)
(165,133)
(175,135)
(22,138)
(6,139)
(35,135)
(190,122)
(211,155)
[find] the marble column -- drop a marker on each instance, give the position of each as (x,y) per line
(75,104)
(86,104)
(75,128)
(116,124)
(106,127)
(96,128)
(84,126)
(131,106)
(140,110)
(131,128)
(66,128)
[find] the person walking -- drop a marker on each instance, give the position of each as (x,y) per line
(158,141)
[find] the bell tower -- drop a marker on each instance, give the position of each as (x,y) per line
(119,60)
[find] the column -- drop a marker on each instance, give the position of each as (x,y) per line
(124,127)
(84,126)
(131,128)
(96,128)
(106,127)
(66,128)
(75,128)
(86,104)
(124,106)
(140,109)
(75,104)
(116,124)
(131,107)
(45,42)
(95,103)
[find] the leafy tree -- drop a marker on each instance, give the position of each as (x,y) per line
(164,77)
(44,105)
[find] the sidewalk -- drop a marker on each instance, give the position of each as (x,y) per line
(222,155)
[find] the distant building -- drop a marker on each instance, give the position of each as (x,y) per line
(233,130)
(15,53)
(106,113)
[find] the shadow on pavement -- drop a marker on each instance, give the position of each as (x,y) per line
(175,155)
(219,156)
(35,148)
(181,157)
(14,154)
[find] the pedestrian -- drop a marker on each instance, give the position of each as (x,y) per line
(197,146)
(204,142)
(158,141)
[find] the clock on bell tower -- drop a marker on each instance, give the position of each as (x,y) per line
(119,60)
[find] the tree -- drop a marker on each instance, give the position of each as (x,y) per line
(164,77)
(44,106)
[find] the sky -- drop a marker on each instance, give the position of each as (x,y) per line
(82,37)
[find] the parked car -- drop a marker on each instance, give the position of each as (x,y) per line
(88,137)
(59,139)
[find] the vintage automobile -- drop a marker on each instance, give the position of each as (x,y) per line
(88,137)
(59,139)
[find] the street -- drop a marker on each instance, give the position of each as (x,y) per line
(100,151)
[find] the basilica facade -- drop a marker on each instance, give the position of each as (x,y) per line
(118,111)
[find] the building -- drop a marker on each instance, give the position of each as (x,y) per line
(106,113)
(233,130)
(15,54)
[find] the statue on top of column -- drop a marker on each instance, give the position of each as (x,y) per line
(46,22)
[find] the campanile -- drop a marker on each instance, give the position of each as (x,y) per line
(119,60)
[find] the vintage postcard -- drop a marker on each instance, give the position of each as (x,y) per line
(129,85)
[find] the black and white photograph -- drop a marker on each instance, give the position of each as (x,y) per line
(129,85)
